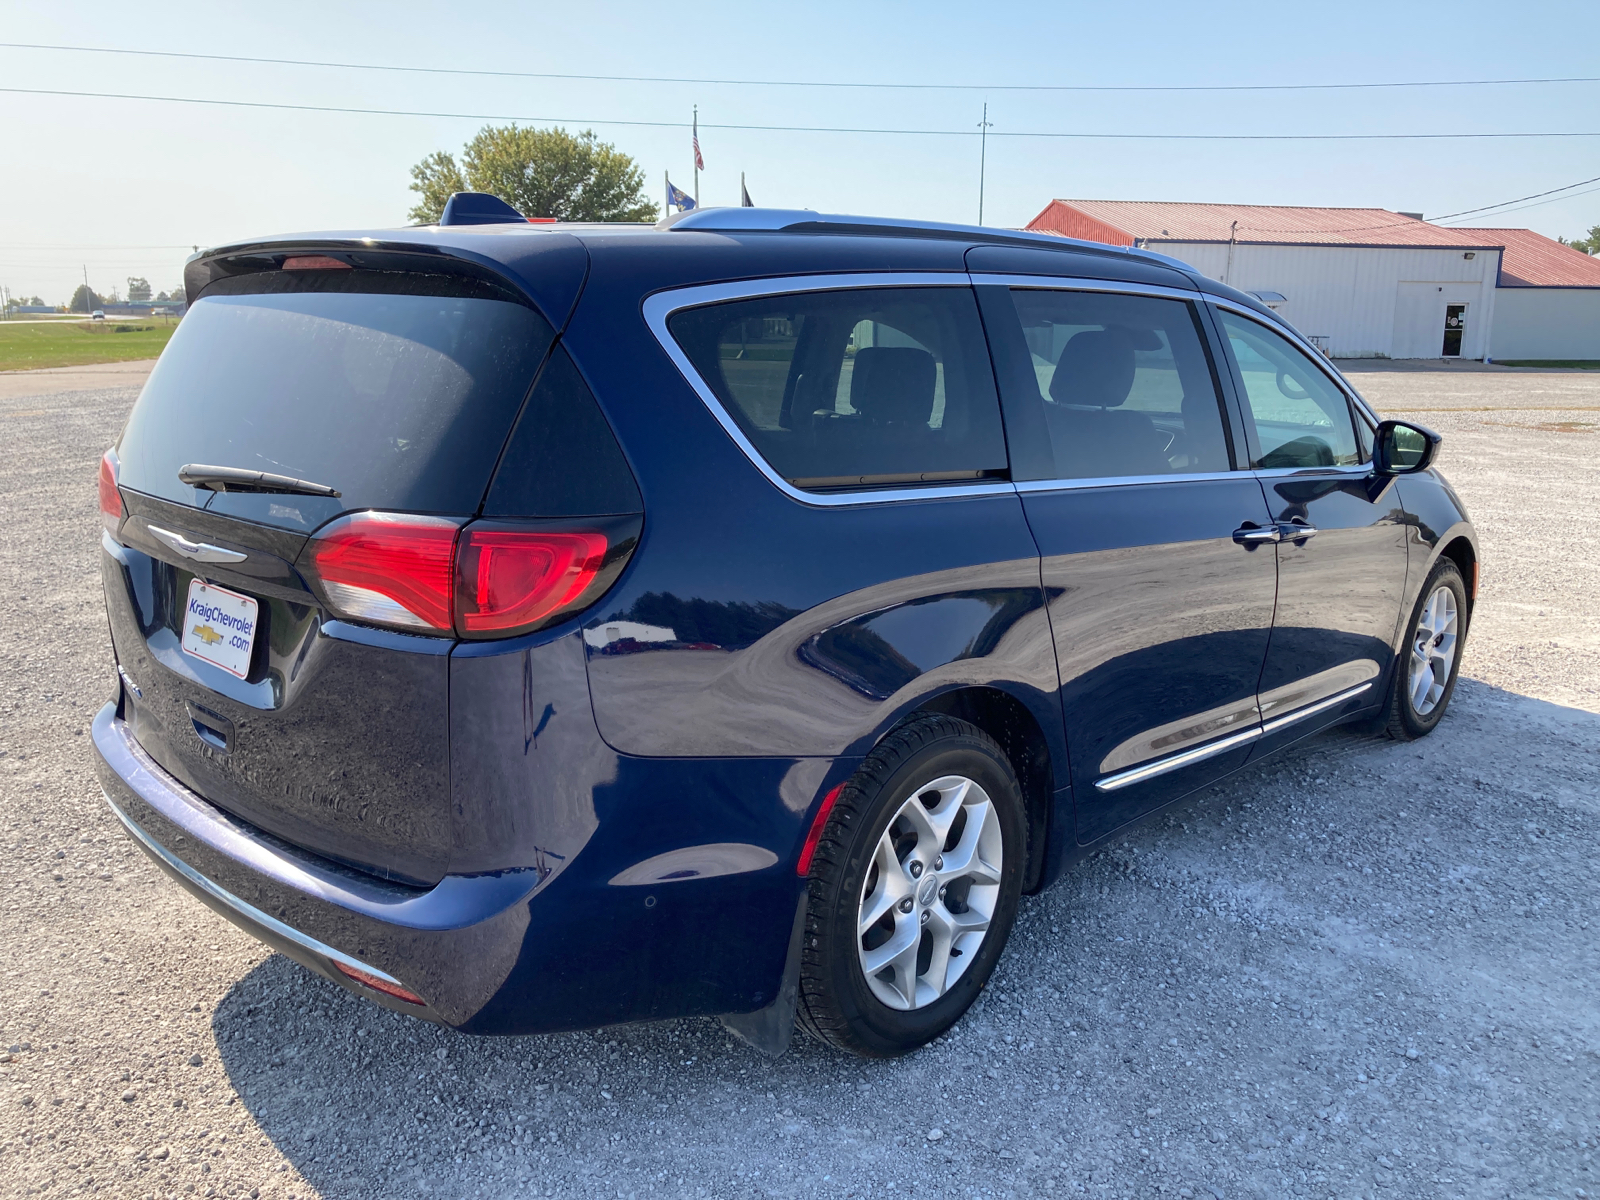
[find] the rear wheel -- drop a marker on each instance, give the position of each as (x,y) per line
(913,889)
(1430,657)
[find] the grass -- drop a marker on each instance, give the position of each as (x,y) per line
(28,345)
(1581,364)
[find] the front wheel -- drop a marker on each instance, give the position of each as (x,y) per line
(1430,657)
(913,889)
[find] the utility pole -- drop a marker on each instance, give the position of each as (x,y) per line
(983,156)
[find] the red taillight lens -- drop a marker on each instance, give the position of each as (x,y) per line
(511,579)
(110,498)
(314,262)
(389,568)
(377,984)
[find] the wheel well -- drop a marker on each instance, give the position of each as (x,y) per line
(1460,552)
(1008,721)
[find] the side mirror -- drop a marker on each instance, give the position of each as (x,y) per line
(1402,448)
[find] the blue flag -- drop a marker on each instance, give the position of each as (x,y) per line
(678,198)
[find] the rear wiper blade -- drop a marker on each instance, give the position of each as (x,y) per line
(237,479)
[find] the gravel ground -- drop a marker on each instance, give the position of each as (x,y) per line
(1362,969)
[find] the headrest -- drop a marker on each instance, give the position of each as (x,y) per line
(1096,368)
(893,385)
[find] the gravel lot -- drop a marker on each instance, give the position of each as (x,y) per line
(1362,969)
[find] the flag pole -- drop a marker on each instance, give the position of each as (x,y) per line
(666,178)
(696,144)
(983,156)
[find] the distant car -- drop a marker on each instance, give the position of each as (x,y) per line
(533,627)
(97,315)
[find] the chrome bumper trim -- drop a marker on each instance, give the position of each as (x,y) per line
(248,911)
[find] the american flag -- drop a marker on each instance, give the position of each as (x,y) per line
(699,163)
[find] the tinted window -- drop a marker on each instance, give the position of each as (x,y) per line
(563,460)
(854,388)
(399,401)
(1301,419)
(1123,385)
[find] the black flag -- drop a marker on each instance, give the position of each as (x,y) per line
(744,195)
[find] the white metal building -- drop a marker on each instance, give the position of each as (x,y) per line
(1366,282)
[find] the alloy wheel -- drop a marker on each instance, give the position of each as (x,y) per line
(1433,651)
(930,892)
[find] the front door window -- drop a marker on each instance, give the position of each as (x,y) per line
(1455,324)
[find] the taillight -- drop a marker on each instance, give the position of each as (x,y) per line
(490,579)
(508,580)
(389,569)
(110,498)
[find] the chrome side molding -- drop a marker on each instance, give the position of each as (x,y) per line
(1173,762)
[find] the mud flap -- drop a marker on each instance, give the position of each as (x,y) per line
(769,1029)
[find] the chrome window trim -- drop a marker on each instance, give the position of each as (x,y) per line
(1184,758)
(1298,339)
(1076,485)
(1064,283)
(1355,471)
(660,306)
(246,910)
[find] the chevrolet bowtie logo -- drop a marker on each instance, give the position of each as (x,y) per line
(207,634)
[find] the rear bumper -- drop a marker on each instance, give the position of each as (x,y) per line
(453,944)
(622,932)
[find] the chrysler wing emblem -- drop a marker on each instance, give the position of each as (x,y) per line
(199,551)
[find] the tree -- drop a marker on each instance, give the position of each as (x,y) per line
(138,290)
(540,173)
(83,300)
(1587,245)
(176,293)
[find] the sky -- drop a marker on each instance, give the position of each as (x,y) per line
(114,188)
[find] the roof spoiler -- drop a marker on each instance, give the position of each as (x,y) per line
(479,208)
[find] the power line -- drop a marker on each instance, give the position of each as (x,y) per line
(808,83)
(1469,211)
(971,133)
(1535,204)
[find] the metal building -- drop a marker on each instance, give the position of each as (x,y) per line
(1363,282)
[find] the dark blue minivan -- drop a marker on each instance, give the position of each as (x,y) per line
(539,626)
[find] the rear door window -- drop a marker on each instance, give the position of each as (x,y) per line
(1110,385)
(398,401)
(1301,418)
(865,387)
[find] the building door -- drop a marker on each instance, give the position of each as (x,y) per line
(1455,324)
(1420,315)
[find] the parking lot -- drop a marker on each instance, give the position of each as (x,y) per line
(1360,969)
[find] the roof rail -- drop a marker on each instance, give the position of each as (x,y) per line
(804,220)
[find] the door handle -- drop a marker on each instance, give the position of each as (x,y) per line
(1295,530)
(1251,534)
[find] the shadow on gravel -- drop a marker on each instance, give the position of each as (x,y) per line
(1355,969)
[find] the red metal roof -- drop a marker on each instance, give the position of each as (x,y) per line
(1533,260)
(1121,222)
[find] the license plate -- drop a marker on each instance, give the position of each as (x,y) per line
(219,627)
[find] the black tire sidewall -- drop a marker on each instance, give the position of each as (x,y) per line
(877,1027)
(1444,574)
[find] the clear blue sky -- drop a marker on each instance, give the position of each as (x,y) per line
(125,187)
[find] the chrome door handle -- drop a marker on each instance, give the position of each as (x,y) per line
(1250,534)
(1295,530)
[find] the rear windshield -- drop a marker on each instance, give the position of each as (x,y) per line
(398,401)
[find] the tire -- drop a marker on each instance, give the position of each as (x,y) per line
(1438,625)
(878,853)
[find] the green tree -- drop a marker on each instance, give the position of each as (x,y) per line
(138,290)
(83,300)
(540,173)
(1588,245)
